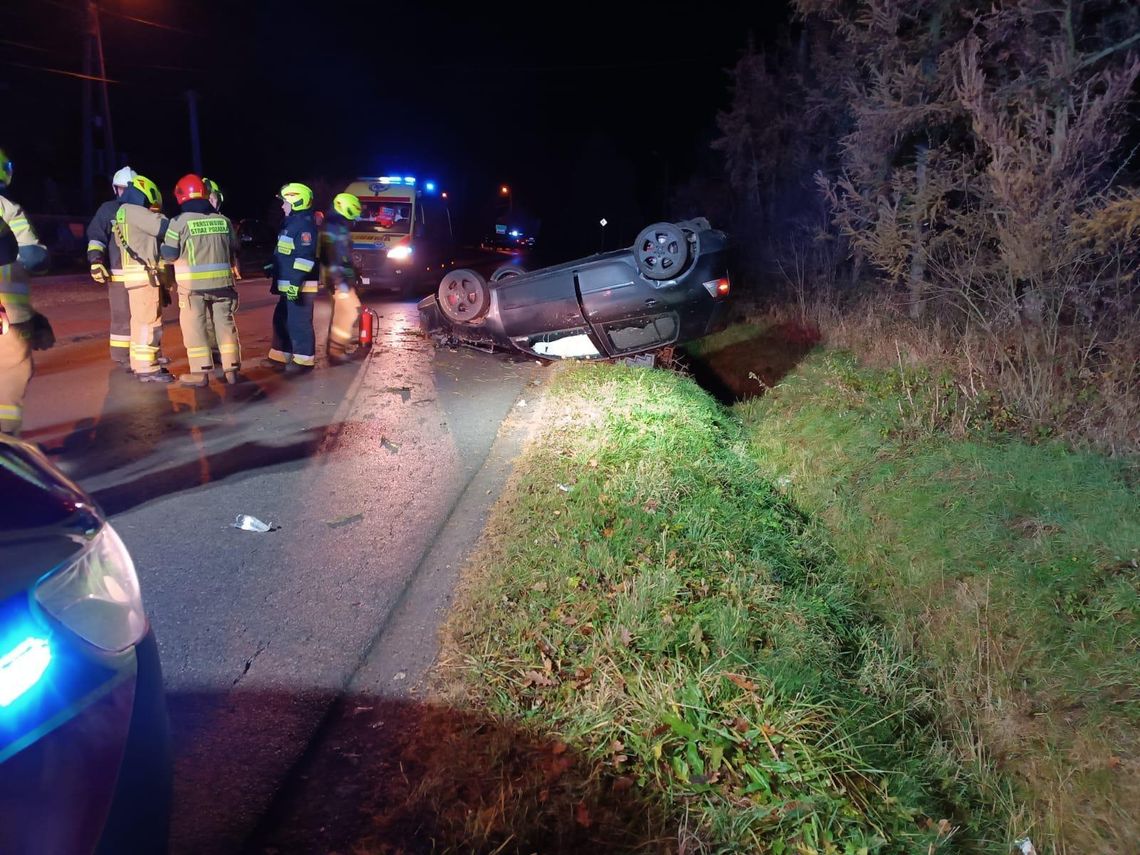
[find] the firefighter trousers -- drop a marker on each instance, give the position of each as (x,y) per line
(293,336)
(120,305)
(344,326)
(146,328)
(15,372)
(206,316)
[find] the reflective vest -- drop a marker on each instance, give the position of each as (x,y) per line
(140,229)
(15,232)
(204,247)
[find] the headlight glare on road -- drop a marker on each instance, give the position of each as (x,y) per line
(97,596)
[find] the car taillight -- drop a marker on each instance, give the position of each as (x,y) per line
(97,596)
(718,287)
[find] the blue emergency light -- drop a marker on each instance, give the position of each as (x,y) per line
(22,667)
(430,186)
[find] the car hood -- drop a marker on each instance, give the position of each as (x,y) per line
(46,519)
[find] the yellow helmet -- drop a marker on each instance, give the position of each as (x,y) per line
(347,205)
(212,189)
(149,189)
(5,169)
(299,196)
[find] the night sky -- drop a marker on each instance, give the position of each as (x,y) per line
(597,113)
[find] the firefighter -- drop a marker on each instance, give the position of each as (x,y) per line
(103,253)
(294,272)
(201,244)
(339,276)
(138,231)
(22,329)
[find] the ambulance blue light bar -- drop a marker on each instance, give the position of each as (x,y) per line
(397,179)
(22,667)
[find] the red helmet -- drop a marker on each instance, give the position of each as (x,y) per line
(189,187)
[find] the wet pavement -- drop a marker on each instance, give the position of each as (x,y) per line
(357,466)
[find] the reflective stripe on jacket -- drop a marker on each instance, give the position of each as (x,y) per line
(15,233)
(203,248)
(295,258)
(141,229)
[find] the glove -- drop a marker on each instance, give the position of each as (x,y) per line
(100,273)
(291,292)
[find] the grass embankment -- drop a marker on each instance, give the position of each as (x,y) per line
(1009,571)
(648,598)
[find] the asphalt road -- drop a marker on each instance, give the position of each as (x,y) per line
(357,466)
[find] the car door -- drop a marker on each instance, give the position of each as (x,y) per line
(625,311)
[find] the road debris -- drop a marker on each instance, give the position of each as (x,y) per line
(343,521)
(247,523)
(405,392)
(388,445)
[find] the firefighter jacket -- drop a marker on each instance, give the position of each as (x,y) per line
(336,252)
(138,232)
(202,245)
(20,251)
(101,248)
(295,259)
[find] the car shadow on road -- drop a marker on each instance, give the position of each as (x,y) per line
(407,776)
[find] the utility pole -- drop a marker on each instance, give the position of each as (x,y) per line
(95,66)
(195,144)
(88,147)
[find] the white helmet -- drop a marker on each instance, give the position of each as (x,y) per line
(123,177)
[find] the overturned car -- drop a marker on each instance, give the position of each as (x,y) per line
(671,286)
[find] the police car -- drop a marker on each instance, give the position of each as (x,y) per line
(84,744)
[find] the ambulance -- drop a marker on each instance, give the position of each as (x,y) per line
(403,240)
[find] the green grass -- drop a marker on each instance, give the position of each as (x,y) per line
(1008,568)
(649,596)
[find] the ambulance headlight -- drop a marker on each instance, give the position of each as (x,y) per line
(400,253)
(97,596)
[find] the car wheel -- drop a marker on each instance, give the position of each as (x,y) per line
(661,251)
(464,296)
(507,271)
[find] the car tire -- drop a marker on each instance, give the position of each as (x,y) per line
(507,271)
(661,251)
(464,296)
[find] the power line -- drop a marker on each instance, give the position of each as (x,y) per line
(59,71)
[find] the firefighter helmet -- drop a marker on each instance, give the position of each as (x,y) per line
(212,189)
(347,205)
(189,187)
(123,177)
(149,189)
(299,196)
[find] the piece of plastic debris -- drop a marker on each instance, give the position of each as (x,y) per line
(247,523)
(1025,846)
(567,347)
(390,446)
(522,403)
(401,675)
(563,488)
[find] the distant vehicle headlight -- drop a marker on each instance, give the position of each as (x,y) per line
(97,596)
(399,253)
